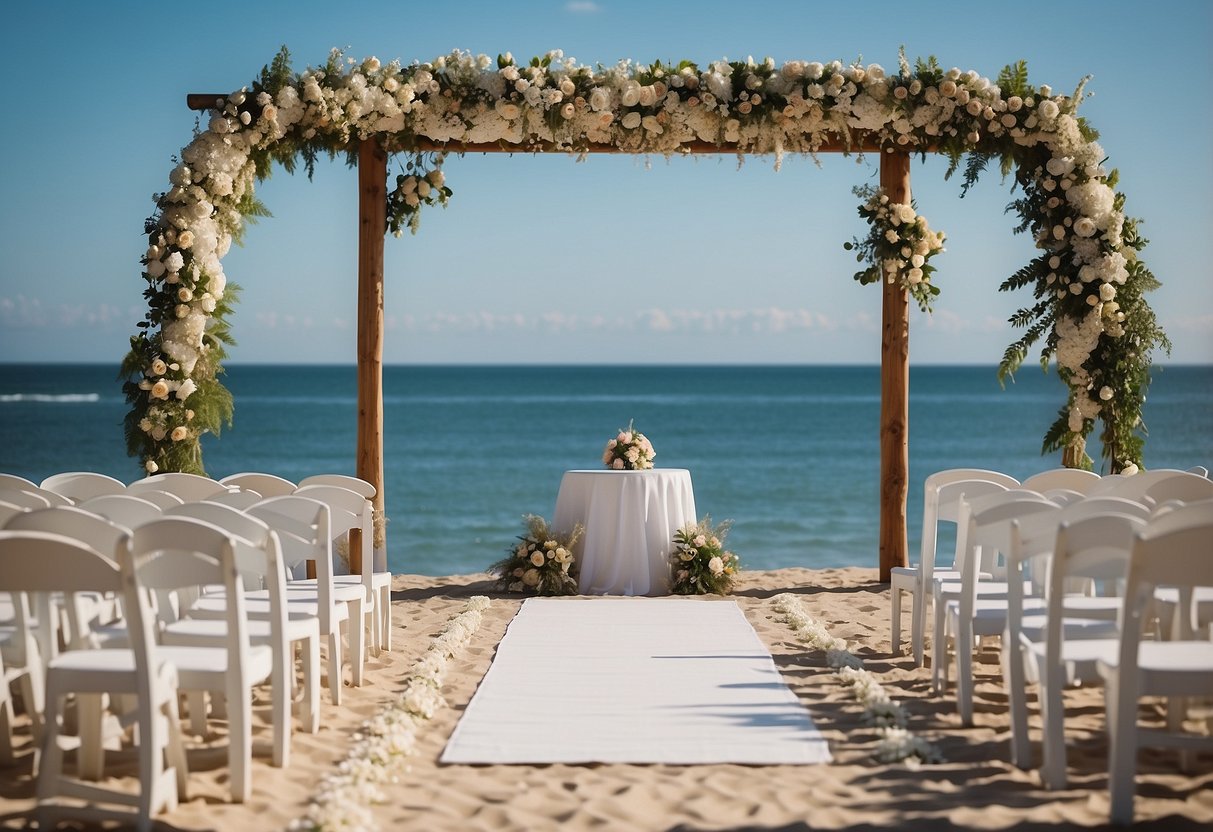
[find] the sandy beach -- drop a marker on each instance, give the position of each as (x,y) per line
(976,786)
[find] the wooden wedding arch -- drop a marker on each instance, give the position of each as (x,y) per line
(1088,280)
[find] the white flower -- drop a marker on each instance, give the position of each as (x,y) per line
(180,432)
(160,390)
(186,389)
(151,467)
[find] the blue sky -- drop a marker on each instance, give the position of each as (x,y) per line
(546,260)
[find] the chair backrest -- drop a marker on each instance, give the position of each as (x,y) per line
(7,510)
(241,499)
(177,555)
(1184,488)
(163,499)
(126,510)
(1095,506)
(304,534)
(11,482)
(1074,479)
(348,510)
(41,562)
(941,504)
(1094,547)
(1015,523)
(1133,486)
(81,525)
(267,485)
(257,551)
(79,486)
(1172,550)
(189,487)
(26,498)
(354,484)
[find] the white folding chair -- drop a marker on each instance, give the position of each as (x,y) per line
(175,554)
(1056,649)
(267,485)
(156,497)
(976,609)
(43,562)
(79,486)
(374,574)
(941,504)
(349,511)
(910,578)
(304,533)
(1172,550)
(260,561)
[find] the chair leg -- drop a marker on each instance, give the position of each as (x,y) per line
(385,617)
(90,714)
(280,708)
(357,631)
(7,716)
(1053,739)
(334,662)
(309,709)
(964,671)
(939,651)
(240,735)
(895,624)
(1014,679)
(1122,749)
(196,700)
(918,623)
(48,762)
(153,739)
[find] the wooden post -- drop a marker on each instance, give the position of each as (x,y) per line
(372,226)
(894,390)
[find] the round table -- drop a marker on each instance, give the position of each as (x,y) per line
(630,518)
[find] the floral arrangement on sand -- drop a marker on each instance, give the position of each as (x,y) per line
(542,562)
(699,563)
(631,450)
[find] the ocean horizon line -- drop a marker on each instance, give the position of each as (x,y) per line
(586,364)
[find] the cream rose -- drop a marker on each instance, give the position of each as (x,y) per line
(180,432)
(160,390)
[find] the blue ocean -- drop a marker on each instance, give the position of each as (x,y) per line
(790,454)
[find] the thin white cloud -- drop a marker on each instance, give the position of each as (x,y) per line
(582,7)
(22,312)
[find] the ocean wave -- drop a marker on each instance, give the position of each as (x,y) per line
(50,397)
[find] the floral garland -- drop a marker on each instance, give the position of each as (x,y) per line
(1088,282)
(541,562)
(699,563)
(879,710)
(899,246)
(381,747)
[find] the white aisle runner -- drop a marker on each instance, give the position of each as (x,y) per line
(634,680)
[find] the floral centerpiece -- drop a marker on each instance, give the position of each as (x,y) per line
(629,451)
(541,562)
(699,562)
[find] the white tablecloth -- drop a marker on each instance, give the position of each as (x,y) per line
(630,518)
